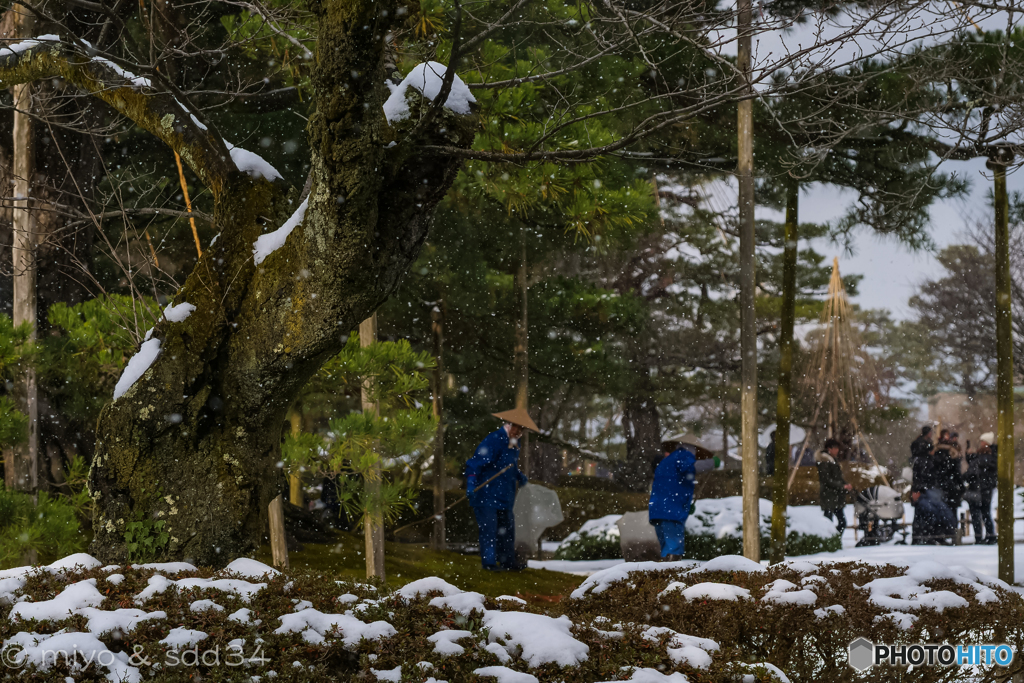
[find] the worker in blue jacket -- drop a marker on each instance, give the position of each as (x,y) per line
(671,498)
(492,480)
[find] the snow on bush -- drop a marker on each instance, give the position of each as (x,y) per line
(725,620)
(597,539)
(716,528)
(427,78)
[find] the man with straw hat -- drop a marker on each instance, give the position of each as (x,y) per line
(492,479)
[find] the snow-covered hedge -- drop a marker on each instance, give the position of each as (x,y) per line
(725,620)
(715,528)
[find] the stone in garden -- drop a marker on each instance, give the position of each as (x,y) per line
(637,537)
(537,509)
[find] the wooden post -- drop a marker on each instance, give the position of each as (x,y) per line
(295,496)
(522,346)
(278,546)
(437,537)
(748,331)
(780,489)
(22,464)
(1004,365)
(373,520)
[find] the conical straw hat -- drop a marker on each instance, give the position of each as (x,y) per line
(518,416)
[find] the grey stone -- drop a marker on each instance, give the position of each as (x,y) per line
(537,509)
(637,538)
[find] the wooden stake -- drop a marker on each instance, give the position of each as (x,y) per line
(373,519)
(278,546)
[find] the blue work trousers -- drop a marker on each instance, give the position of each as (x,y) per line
(497,536)
(671,536)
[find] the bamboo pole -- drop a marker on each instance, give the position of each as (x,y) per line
(748,331)
(437,537)
(373,519)
(188,204)
(1004,366)
(522,353)
(783,408)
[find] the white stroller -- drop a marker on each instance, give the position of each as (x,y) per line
(879,511)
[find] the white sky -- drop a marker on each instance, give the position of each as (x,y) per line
(891,271)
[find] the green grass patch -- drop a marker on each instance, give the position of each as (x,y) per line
(405,562)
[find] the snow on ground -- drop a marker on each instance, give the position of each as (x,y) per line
(427,78)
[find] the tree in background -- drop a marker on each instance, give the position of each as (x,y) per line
(373,459)
(14,350)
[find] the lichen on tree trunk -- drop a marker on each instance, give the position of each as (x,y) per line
(195,442)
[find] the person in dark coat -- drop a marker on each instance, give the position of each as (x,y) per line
(932,476)
(946,463)
(671,498)
(981,479)
(922,445)
(497,459)
(769,456)
(832,484)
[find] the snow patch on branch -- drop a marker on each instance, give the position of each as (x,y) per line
(267,244)
(137,366)
(252,163)
(427,78)
(25,45)
(179,313)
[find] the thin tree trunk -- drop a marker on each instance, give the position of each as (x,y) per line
(1004,372)
(748,333)
(437,538)
(780,493)
(23,473)
(373,521)
(522,370)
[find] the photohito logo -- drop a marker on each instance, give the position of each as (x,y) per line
(863,654)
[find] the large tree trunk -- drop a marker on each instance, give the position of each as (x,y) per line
(643,439)
(195,440)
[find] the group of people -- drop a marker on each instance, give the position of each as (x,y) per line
(944,474)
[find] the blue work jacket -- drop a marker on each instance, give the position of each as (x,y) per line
(492,455)
(672,492)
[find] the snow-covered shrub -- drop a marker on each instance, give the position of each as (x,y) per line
(723,621)
(597,539)
(715,528)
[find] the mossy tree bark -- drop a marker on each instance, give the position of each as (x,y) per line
(195,440)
